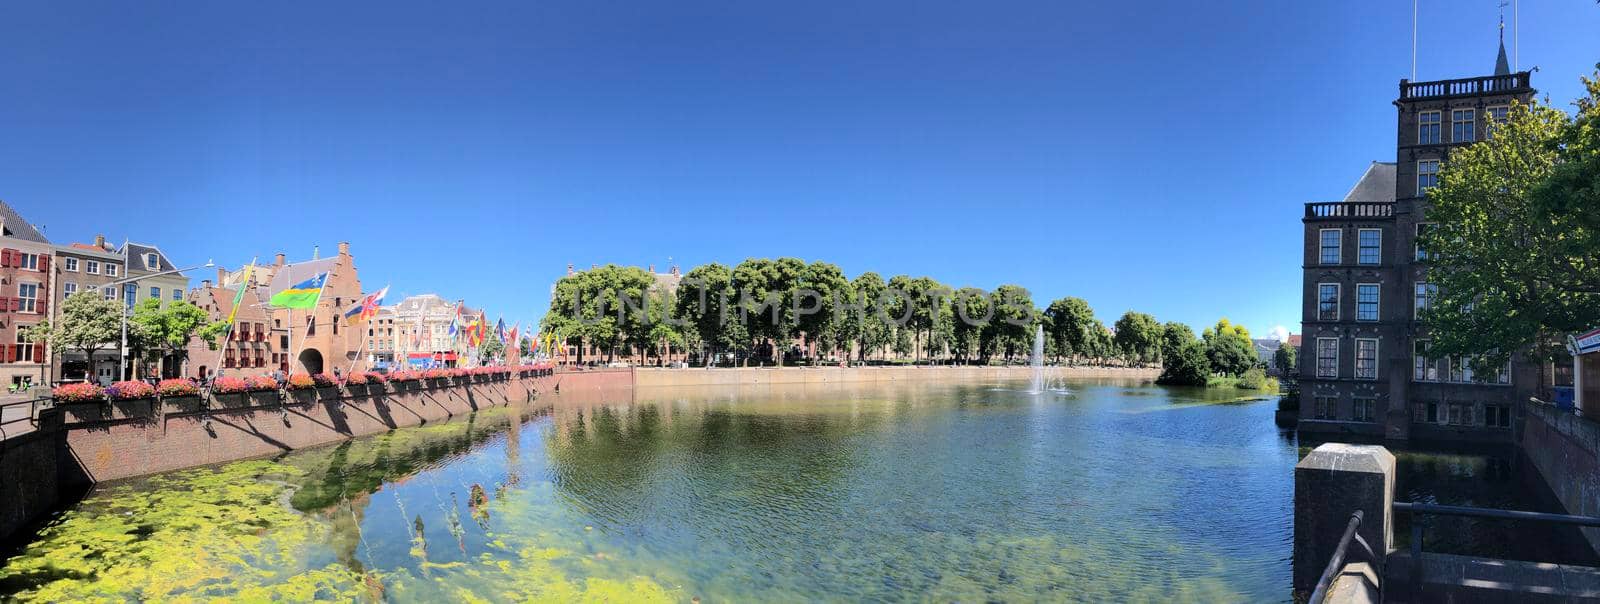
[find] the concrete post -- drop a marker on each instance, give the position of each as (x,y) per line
(1330,484)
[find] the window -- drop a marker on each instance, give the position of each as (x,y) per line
(1369,245)
(1331,241)
(1425,295)
(1497,416)
(1327,357)
(28,261)
(111,270)
(1433,412)
(110,292)
(1328,301)
(1428,128)
(24,346)
(1362,409)
(1462,122)
(1367,302)
(1460,414)
(1422,232)
(1498,114)
(69,288)
(152,262)
(1427,175)
(93,268)
(177,294)
(1423,369)
(1366,358)
(27,297)
(155,292)
(72,265)
(1326,407)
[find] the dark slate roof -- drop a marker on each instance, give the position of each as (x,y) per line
(134,253)
(1377,184)
(1500,65)
(18,228)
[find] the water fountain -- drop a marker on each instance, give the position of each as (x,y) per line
(1036,385)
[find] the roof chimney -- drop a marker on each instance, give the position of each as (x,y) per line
(222,276)
(652,268)
(279,260)
(593,266)
(675,272)
(344,248)
(316,252)
(205,284)
(100,242)
(569,268)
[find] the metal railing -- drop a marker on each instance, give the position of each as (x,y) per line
(1419,509)
(18,416)
(1336,563)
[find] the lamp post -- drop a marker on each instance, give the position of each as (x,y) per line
(127,306)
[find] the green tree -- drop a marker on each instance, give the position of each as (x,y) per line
(970,311)
(1174,336)
(1286,359)
(1069,321)
(1015,317)
(820,317)
(1186,366)
(88,323)
(1228,348)
(1139,337)
(706,301)
(876,329)
(164,329)
(767,295)
(1514,246)
(492,348)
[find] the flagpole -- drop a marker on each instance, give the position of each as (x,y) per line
(314,304)
(238,299)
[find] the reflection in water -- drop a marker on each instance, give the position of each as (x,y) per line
(1117,491)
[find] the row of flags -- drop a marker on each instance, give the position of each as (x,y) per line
(307,294)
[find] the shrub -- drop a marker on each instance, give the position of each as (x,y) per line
(404,376)
(322,380)
(230,385)
(356,378)
(262,383)
(177,387)
(77,393)
(1253,379)
(301,381)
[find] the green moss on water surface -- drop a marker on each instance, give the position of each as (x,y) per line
(195,534)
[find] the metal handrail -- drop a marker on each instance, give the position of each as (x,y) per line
(32,405)
(1472,512)
(1337,561)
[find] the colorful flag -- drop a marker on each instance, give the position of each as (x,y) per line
(511,337)
(301,295)
(238,298)
(500,329)
(367,309)
(455,321)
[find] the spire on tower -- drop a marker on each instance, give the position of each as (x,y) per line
(1501,67)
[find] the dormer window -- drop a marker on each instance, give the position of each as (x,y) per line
(151,262)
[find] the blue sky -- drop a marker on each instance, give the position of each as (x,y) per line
(1143,156)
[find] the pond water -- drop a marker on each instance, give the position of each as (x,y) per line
(1116,491)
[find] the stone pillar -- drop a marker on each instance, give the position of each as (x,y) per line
(1330,484)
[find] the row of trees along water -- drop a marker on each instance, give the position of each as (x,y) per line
(625,311)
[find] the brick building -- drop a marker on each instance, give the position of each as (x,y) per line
(422,331)
(26,296)
(88,269)
(254,346)
(1363,366)
(315,340)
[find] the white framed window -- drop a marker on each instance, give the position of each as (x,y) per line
(28,261)
(93,267)
(1367,296)
(1362,409)
(24,346)
(1427,175)
(1327,357)
(1332,244)
(1369,246)
(111,270)
(1424,294)
(27,297)
(1463,124)
(69,288)
(1366,358)
(1327,301)
(152,262)
(1428,128)
(1422,231)
(1423,369)
(110,292)
(71,265)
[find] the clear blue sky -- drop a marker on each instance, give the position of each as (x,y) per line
(1140,155)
